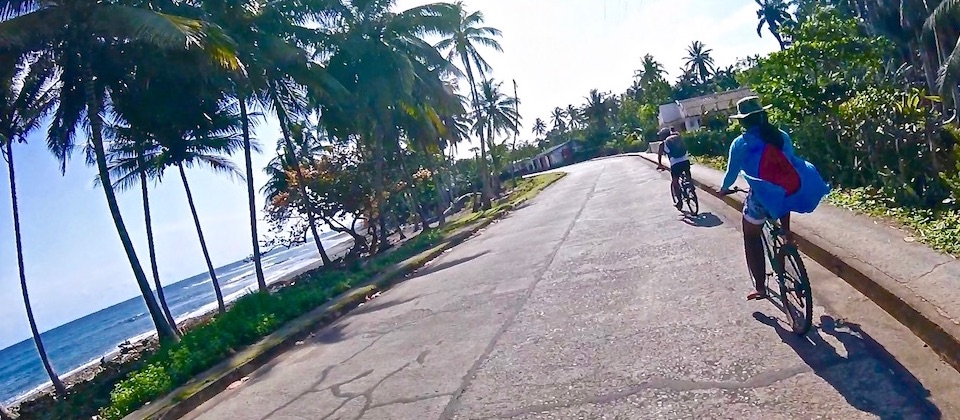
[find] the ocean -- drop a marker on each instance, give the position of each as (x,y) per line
(79,343)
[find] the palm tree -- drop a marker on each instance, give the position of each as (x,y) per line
(496,115)
(27,99)
(77,34)
(386,62)
(269,42)
(574,115)
(129,166)
(773,14)
(940,23)
(205,144)
(462,43)
(699,61)
(558,118)
(649,72)
(598,107)
(539,127)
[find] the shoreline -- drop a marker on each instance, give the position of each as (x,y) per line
(135,347)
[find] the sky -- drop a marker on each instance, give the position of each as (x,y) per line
(75,263)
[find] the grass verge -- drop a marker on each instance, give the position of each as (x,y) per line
(256,315)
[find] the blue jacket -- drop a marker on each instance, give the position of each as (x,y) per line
(745,154)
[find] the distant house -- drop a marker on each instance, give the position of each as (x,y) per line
(687,115)
(554,157)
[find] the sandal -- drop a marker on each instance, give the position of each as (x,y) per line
(755,295)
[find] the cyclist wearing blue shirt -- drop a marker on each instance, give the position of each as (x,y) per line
(780,183)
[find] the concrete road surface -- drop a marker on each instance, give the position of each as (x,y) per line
(599,300)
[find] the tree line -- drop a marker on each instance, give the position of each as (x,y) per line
(369,111)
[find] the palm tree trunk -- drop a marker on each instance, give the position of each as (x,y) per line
(251,196)
(485,195)
(776,35)
(44,359)
(441,192)
(203,243)
(164,330)
(151,247)
(301,182)
(378,189)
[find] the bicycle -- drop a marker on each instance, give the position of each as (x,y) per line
(795,293)
(687,193)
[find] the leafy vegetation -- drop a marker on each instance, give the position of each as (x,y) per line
(249,319)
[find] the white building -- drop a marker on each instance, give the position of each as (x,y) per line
(686,115)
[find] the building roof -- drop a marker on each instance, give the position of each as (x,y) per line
(722,101)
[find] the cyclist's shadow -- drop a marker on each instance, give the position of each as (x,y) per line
(881,385)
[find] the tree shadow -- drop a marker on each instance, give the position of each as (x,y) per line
(882,387)
(704,220)
(440,266)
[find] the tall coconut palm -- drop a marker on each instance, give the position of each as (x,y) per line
(462,44)
(539,127)
(380,62)
(699,61)
(78,35)
(129,167)
(773,14)
(205,145)
(496,115)
(558,119)
(271,42)
(27,97)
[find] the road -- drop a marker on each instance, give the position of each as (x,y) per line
(598,300)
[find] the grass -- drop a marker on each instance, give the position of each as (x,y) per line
(938,229)
(526,188)
(251,318)
(257,315)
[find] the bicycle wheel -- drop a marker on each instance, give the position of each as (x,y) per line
(692,203)
(795,290)
(675,196)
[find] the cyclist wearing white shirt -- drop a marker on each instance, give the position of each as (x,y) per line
(672,145)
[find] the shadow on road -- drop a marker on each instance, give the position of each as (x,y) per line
(705,220)
(433,268)
(861,386)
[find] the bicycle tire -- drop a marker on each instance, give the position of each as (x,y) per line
(692,203)
(674,196)
(795,292)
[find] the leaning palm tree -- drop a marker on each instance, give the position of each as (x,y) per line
(27,97)
(773,14)
(205,145)
(539,127)
(129,166)
(699,61)
(78,35)
(462,44)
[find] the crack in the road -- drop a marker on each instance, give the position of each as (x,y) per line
(454,403)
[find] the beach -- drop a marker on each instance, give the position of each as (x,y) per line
(108,339)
